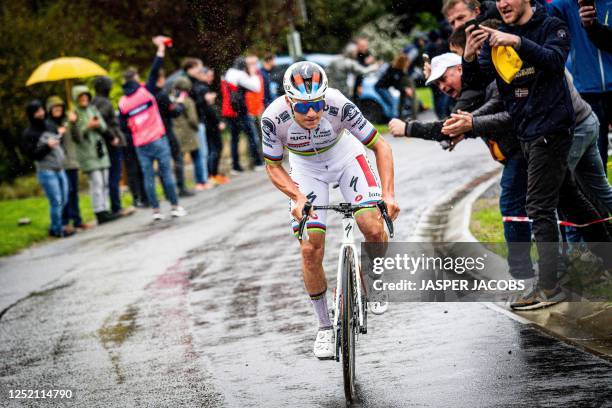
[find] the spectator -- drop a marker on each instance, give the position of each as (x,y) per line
(489,121)
(394,77)
(255,100)
(365,59)
(115,140)
(186,125)
(91,152)
(169,110)
(599,34)
(140,117)
(543,116)
(589,66)
(438,45)
(237,80)
(269,62)
(343,71)
(45,148)
(134,173)
(57,121)
(214,127)
(194,69)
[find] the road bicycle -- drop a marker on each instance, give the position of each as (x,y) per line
(350,312)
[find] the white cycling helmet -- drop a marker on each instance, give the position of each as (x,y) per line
(305,81)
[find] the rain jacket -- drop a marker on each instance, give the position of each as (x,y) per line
(35,140)
(591,68)
(71,134)
(91,149)
(186,125)
(102,86)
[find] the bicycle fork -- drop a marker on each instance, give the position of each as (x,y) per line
(348,240)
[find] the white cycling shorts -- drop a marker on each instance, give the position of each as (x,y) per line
(346,164)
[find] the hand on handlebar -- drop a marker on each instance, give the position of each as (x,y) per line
(392,207)
(296,212)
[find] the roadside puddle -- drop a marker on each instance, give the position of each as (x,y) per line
(114,333)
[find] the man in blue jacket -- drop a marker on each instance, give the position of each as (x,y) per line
(590,67)
(538,100)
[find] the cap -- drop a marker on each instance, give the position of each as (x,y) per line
(440,64)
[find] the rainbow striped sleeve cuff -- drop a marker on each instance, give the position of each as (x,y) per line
(274,160)
(371,139)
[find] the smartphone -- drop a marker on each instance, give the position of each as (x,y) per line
(587,3)
(473,22)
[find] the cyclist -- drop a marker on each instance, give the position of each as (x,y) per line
(325,135)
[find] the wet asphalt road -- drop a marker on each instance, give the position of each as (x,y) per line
(209,310)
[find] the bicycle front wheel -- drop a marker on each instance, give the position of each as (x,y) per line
(348,323)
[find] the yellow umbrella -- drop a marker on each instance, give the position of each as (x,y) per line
(65,68)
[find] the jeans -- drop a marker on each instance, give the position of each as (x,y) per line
(198,165)
(201,169)
(550,184)
(72,211)
(247,125)
(584,160)
(601,103)
(98,188)
(512,203)
(214,150)
(157,150)
(385,95)
(177,157)
(114,177)
(55,184)
(134,173)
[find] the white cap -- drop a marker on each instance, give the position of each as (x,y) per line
(440,64)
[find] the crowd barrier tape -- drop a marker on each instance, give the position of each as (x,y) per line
(562,223)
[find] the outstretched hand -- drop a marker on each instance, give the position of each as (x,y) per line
(458,124)
(397,127)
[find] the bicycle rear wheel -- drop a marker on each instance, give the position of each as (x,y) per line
(348,323)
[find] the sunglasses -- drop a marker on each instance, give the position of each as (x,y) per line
(304,107)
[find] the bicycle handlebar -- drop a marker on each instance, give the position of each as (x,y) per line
(346,209)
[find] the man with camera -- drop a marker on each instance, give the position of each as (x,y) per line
(538,100)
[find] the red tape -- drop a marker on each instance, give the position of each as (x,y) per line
(563,223)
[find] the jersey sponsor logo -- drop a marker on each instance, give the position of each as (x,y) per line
(359,120)
(268,127)
(349,112)
(140,108)
(283,117)
(268,145)
(311,196)
(332,110)
(323,133)
(358,198)
(294,145)
(353,183)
